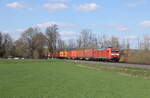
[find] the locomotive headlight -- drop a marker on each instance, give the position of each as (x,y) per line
(114,54)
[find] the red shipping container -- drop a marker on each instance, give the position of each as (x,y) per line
(56,54)
(74,54)
(96,53)
(68,54)
(88,53)
(80,54)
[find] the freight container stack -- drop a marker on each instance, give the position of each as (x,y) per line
(74,54)
(88,54)
(80,54)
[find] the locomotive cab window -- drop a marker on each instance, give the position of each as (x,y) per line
(115,51)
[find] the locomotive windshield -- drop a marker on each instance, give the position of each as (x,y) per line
(115,51)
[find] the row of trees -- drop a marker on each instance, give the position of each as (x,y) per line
(33,42)
(6,45)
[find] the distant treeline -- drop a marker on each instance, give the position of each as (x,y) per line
(33,43)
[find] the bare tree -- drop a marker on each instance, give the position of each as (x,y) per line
(115,42)
(104,42)
(126,43)
(61,45)
(39,41)
(87,40)
(1,45)
(146,43)
(28,38)
(21,49)
(139,43)
(52,37)
(72,44)
(100,42)
(8,45)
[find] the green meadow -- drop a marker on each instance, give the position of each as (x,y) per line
(60,79)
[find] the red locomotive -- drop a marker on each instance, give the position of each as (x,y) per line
(109,54)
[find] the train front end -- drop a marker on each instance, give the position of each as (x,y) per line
(114,54)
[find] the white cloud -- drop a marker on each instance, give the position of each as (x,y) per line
(15,34)
(57,6)
(144,24)
(20,30)
(58,0)
(87,7)
(67,32)
(46,24)
(66,38)
(120,27)
(15,5)
(131,37)
(67,35)
(135,4)
(92,25)
(4,31)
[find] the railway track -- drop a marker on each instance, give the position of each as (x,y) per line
(141,66)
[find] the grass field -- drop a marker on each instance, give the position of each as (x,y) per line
(59,79)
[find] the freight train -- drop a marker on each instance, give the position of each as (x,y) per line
(108,54)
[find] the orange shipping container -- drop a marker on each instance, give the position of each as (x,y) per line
(65,54)
(61,54)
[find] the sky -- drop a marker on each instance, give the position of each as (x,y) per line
(129,19)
